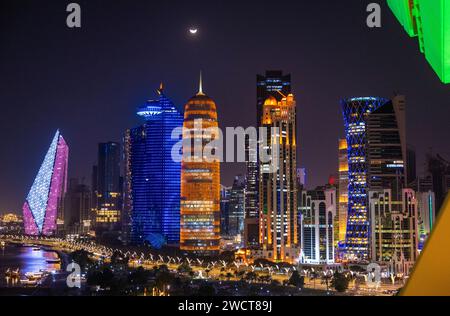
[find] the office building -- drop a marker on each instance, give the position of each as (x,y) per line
(77,208)
(376,141)
(200,178)
(342,213)
(394,228)
(278,220)
(236,210)
(272,84)
(152,177)
(318,209)
(107,189)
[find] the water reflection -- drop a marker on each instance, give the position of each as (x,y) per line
(27,259)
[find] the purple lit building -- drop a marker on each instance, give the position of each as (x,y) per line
(40,210)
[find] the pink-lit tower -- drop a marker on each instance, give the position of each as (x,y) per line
(40,210)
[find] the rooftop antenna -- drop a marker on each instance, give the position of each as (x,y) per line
(200,85)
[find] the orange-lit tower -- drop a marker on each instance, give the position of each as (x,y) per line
(278,186)
(200,178)
(341,218)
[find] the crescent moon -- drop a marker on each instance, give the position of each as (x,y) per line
(193,31)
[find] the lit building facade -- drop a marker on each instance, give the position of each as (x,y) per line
(77,208)
(318,210)
(275,84)
(236,210)
(200,178)
(426,205)
(152,177)
(342,213)
(278,220)
(376,148)
(224,210)
(45,199)
(394,228)
(107,189)
(438,178)
(430,22)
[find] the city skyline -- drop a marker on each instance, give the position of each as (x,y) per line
(318,95)
(219,150)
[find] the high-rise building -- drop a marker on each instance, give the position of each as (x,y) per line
(45,199)
(426,206)
(438,171)
(77,208)
(411,172)
(394,229)
(342,213)
(224,210)
(200,178)
(107,189)
(236,210)
(274,83)
(375,134)
(278,181)
(318,209)
(152,185)
(430,22)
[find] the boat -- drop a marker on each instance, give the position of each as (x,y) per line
(34,275)
(29,282)
(57,260)
(13,273)
(36,249)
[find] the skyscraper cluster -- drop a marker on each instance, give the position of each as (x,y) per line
(161,186)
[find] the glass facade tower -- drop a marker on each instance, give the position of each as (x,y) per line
(46,196)
(152,183)
(376,148)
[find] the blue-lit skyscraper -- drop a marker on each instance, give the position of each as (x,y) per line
(376,146)
(152,185)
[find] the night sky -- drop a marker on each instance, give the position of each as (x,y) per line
(88,82)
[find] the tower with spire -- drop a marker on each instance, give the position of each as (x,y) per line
(200,179)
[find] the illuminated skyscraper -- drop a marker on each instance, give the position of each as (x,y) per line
(318,208)
(237,207)
(430,21)
(274,83)
(394,228)
(427,215)
(278,219)
(46,195)
(77,208)
(342,213)
(200,178)
(375,133)
(107,189)
(152,194)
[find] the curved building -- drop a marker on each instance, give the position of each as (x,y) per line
(376,149)
(44,201)
(152,186)
(200,178)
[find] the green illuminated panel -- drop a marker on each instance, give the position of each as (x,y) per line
(435,22)
(403,10)
(430,20)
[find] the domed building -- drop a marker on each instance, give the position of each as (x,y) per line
(200,178)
